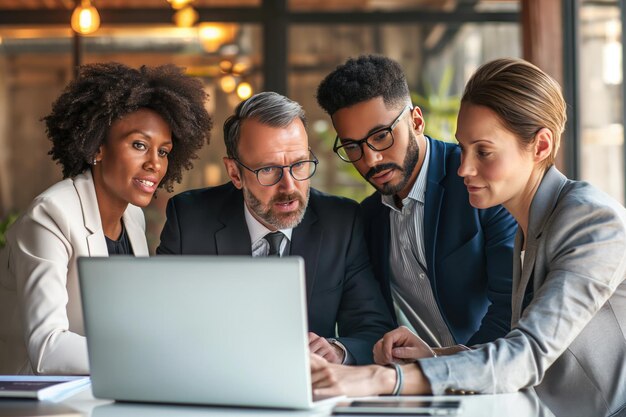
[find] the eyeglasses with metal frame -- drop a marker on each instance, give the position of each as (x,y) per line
(351,150)
(272,174)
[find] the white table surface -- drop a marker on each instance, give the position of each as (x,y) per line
(523,404)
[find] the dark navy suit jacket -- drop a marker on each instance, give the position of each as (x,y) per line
(469,252)
(341,289)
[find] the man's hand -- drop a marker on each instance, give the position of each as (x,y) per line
(322,347)
(400,345)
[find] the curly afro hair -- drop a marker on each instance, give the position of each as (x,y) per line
(363,79)
(82,115)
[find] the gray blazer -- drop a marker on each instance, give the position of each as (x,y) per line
(569,309)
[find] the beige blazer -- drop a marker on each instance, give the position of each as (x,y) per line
(41,323)
(568,337)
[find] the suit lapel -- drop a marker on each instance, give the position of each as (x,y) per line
(516,304)
(234,237)
(432,203)
(381,231)
(136,234)
(521,274)
(541,208)
(306,241)
(96,244)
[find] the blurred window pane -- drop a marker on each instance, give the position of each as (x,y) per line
(601,98)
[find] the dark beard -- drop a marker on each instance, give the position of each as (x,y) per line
(410,161)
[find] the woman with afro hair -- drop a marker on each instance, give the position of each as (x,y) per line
(119,134)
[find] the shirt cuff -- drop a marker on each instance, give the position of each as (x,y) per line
(347,357)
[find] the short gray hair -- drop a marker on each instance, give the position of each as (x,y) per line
(268,108)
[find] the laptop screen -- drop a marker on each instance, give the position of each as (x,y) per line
(197,329)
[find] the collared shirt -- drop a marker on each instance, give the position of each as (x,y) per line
(410,285)
(260,246)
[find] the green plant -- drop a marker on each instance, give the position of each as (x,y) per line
(4,226)
(439,108)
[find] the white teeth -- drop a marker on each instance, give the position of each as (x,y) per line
(146,182)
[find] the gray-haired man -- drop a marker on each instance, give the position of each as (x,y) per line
(269,209)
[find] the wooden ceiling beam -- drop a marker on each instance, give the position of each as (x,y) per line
(113,16)
(26,17)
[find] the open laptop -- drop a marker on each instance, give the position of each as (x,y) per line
(213,330)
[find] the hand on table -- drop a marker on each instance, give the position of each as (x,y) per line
(354,381)
(322,347)
(400,345)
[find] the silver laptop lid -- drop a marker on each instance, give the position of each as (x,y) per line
(197,329)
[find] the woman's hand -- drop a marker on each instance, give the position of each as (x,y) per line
(400,345)
(329,379)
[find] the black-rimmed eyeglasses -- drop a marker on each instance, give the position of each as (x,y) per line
(351,150)
(272,174)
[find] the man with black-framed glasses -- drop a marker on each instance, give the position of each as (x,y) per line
(269,209)
(444,267)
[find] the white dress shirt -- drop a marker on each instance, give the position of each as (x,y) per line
(260,246)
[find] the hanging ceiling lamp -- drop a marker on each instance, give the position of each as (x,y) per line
(244,90)
(185,17)
(179,4)
(85,18)
(213,35)
(228,84)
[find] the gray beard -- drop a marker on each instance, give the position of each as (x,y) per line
(277,220)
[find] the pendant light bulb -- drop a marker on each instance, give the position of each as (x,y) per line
(85,18)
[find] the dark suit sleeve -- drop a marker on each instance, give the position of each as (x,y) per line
(170,235)
(499,229)
(363,317)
